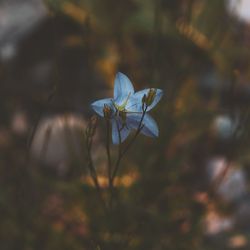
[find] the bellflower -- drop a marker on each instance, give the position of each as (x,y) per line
(126,109)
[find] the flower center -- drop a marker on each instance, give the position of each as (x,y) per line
(122,107)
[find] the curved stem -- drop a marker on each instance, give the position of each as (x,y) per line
(108,152)
(122,153)
(89,139)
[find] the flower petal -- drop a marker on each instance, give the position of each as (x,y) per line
(150,127)
(124,131)
(98,105)
(135,101)
(123,88)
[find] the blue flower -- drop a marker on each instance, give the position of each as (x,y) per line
(127,109)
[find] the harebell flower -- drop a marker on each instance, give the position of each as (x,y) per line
(125,112)
(127,109)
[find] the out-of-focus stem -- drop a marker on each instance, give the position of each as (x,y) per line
(89,139)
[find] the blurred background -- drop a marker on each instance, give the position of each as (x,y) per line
(188,189)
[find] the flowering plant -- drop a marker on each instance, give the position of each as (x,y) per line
(125,112)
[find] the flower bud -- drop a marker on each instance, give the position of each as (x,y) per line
(107,111)
(149,98)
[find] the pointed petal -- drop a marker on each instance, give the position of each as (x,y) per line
(123,88)
(98,105)
(150,127)
(135,101)
(124,131)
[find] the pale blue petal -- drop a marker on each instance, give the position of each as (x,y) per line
(135,101)
(124,131)
(98,105)
(150,127)
(123,88)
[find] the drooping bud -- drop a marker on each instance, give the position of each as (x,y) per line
(107,111)
(149,98)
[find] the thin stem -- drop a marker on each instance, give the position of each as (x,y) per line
(140,127)
(122,153)
(92,169)
(108,153)
(120,141)
(111,181)
(119,156)
(116,168)
(110,185)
